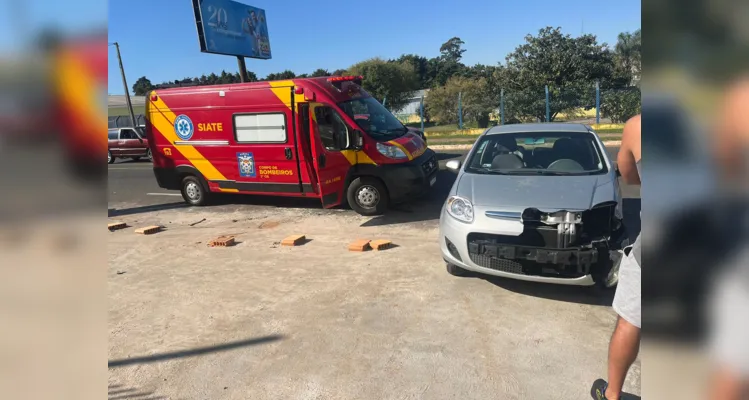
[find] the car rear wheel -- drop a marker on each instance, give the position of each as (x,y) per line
(110,159)
(455,270)
(193,192)
(368,196)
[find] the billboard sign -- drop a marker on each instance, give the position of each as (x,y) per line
(231,28)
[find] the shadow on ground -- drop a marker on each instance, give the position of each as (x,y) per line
(117,212)
(570,294)
(192,352)
(427,208)
(121,392)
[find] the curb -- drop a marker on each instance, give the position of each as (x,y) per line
(468,146)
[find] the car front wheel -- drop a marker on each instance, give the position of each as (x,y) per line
(110,159)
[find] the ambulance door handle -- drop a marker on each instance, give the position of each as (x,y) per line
(288,153)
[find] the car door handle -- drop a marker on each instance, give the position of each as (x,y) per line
(288,153)
(321,160)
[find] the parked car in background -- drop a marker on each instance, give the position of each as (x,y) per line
(128,143)
(536,202)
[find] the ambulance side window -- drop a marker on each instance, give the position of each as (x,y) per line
(331,128)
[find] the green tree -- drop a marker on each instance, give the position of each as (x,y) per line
(569,66)
(142,86)
(628,55)
(396,81)
(339,72)
(320,72)
(280,76)
(448,64)
(420,65)
(621,105)
(442,102)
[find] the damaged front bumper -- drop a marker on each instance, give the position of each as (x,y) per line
(572,248)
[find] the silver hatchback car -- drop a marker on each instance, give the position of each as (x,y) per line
(536,202)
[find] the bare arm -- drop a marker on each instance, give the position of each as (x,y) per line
(629,152)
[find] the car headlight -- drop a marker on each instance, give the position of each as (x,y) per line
(460,208)
(390,151)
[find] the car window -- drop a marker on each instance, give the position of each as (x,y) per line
(128,134)
(113,134)
(533,153)
(331,128)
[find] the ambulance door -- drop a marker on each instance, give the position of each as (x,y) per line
(266,152)
(330,136)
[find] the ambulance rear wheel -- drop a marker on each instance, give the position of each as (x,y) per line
(193,192)
(368,196)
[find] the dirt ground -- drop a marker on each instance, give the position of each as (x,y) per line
(262,321)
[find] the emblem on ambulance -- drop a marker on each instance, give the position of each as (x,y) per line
(183,127)
(246,163)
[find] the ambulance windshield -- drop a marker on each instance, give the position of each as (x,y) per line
(374,118)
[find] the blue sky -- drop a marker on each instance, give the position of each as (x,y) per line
(158,38)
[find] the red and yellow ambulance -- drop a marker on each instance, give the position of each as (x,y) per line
(313,137)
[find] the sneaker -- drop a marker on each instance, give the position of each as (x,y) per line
(598,391)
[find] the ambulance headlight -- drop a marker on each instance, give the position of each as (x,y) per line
(391,151)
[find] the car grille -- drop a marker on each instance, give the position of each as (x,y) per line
(497,264)
(430,165)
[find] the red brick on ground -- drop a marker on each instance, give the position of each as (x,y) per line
(359,245)
(381,244)
(116,225)
(222,241)
(148,230)
(294,240)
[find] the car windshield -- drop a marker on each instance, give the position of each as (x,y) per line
(537,153)
(373,118)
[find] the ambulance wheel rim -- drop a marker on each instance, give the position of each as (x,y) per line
(367,197)
(193,191)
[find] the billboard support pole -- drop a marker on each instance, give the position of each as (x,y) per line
(242,69)
(598,102)
(124,83)
(421,111)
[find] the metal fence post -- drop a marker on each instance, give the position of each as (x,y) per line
(502,107)
(548,111)
(598,102)
(421,111)
(460,111)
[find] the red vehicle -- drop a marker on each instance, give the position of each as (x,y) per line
(127,143)
(295,137)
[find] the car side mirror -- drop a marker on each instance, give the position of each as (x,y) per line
(453,165)
(357,142)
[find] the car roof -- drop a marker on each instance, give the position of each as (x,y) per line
(538,127)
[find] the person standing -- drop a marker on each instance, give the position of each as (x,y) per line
(625,341)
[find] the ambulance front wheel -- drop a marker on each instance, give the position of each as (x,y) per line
(368,196)
(193,192)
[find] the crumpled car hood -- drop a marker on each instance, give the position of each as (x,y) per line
(546,193)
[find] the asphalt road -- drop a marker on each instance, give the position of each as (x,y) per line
(133,182)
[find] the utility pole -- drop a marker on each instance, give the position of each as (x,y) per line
(124,83)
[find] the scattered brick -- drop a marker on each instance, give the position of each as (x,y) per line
(148,230)
(116,225)
(222,241)
(294,240)
(359,245)
(381,244)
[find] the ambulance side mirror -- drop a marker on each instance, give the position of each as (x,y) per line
(357,142)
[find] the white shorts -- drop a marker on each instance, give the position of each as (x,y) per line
(627,301)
